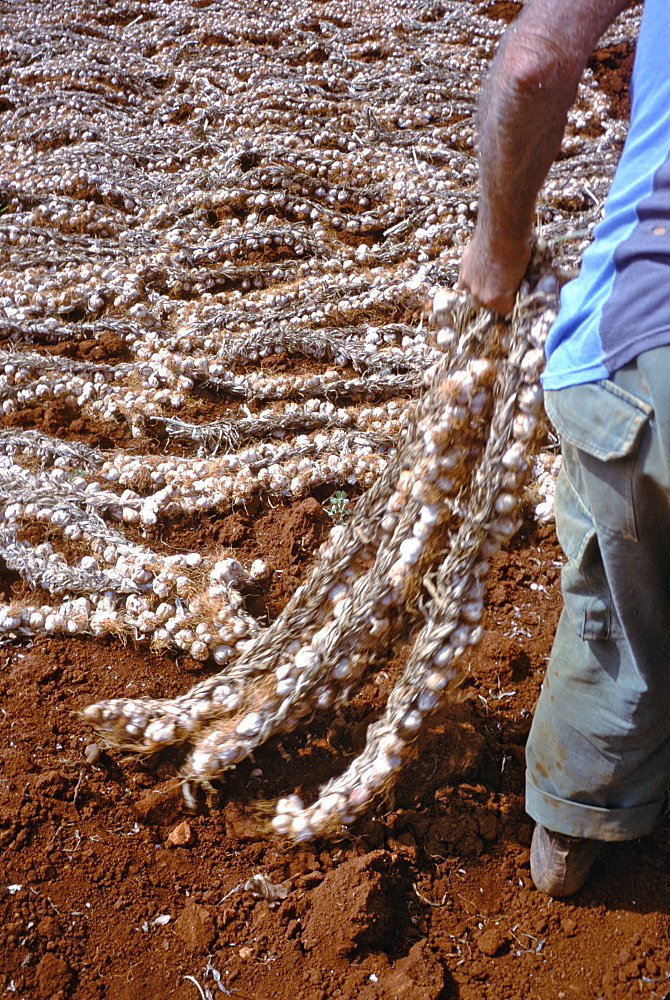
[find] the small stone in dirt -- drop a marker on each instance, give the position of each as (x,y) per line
(181,835)
(233,529)
(239,824)
(53,973)
(246,953)
(354,905)
(568,926)
(417,976)
(49,928)
(159,806)
(491,940)
(195,927)
(92,753)
(52,784)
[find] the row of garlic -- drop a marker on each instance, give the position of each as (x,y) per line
(175,601)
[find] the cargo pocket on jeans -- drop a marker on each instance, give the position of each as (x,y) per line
(600,426)
(604,424)
(586,593)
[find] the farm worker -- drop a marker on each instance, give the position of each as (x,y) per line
(598,755)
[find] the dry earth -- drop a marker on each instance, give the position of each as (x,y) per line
(428,899)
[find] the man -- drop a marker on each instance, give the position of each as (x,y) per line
(598,755)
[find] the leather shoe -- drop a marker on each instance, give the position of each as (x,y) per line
(560,865)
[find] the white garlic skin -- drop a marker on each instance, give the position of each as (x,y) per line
(281,823)
(249,725)
(291,805)
(524,426)
(410,550)
(506,503)
(530,399)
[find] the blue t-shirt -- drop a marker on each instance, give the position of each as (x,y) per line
(619,305)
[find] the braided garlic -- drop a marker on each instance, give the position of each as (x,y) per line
(443,506)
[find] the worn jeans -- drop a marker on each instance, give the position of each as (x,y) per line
(598,754)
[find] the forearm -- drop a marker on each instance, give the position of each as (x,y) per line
(523,112)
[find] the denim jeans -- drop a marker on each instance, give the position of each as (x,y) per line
(598,754)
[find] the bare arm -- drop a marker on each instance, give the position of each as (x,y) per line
(523,113)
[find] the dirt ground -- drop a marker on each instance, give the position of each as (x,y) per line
(111,889)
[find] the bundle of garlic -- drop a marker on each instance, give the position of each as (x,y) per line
(445,503)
